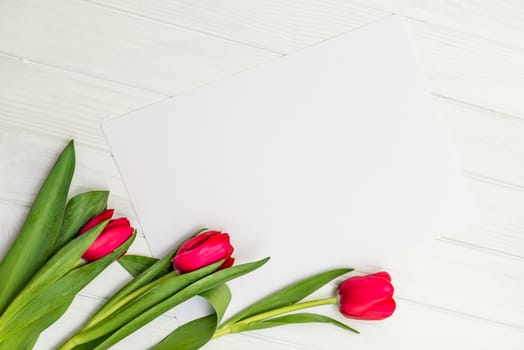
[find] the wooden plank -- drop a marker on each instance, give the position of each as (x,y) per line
(276,25)
(497,218)
(458,65)
(501,21)
(463,279)
(471,69)
(62,103)
(489,144)
(76,36)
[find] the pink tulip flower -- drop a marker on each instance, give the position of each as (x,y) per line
(367,297)
(202,250)
(113,236)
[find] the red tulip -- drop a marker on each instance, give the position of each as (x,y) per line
(367,297)
(113,236)
(202,250)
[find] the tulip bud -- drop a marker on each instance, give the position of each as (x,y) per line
(202,250)
(113,236)
(367,297)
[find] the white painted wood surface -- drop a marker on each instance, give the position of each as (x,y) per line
(67,64)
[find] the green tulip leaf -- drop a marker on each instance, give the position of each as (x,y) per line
(193,289)
(26,337)
(21,341)
(136,264)
(219,297)
(35,241)
(128,320)
(93,344)
(30,342)
(61,263)
(294,318)
(152,295)
(287,296)
(79,210)
(190,336)
(54,296)
(155,271)
(195,334)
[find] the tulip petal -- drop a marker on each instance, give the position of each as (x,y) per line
(366,288)
(202,250)
(378,311)
(105,215)
(228,263)
(381,274)
(197,240)
(107,242)
(120,222)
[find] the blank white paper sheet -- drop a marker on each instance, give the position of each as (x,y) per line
(327,157)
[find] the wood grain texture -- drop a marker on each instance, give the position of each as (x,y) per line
(275,25)
(485,141)
(67,65)
(501,21)
(100,42)
(62,103)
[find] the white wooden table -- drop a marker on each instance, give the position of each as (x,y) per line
(67,64)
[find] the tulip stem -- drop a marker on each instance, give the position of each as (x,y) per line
(240,325)
(100,316)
